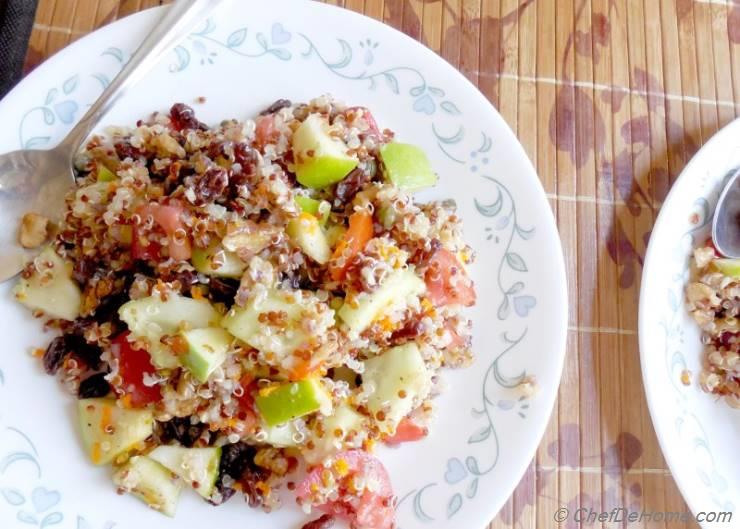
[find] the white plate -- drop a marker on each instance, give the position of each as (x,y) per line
(699,435)
(242,60)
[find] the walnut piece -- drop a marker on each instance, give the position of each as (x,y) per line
(34,230)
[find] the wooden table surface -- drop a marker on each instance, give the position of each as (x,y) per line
(610,99)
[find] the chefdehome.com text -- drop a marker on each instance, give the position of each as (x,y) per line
(622,514)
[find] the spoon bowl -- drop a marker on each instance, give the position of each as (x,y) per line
(726,221)
(31,181)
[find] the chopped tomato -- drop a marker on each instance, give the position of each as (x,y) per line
(265,131)
(133,364)
(369,119)
(374,510)
(447,282)
(168,217)
(360,231)
(407,431)
(457,341)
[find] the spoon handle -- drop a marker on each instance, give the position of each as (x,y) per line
(174,25)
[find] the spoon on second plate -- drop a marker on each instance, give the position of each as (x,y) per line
(35,181)
(726,221)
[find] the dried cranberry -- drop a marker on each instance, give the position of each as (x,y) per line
(725,337)
(183,117)
(125,150)
(211,185)
(182,430)
(222,290)
(94,387)
(55,354)
(325,522)
(277,105)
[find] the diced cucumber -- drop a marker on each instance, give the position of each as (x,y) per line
(281,403)
(108,431)
(365,308)
(340,425)
(216,261)
(407,166)
(198,467)
(399,377)
(207,350)
(306,233)
(281,340)
(50,288)
(152,318)
(320,159)
(151,483)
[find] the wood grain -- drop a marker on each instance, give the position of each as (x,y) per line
(610,98)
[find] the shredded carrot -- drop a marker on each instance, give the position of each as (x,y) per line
(360,231)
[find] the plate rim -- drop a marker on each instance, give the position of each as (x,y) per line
(552,240)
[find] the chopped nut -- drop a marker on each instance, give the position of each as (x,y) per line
(34,230)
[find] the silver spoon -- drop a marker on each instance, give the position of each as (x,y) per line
(726,221)
(37,180)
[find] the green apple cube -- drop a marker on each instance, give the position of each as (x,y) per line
(306,233)
(279,404)
(50,288)
(151,483)
(320,159)
(398,369)
(207,350)
(318,208)
(151,318)
(216,261)
(105,174)
(407,166)
(198,467)
(369,306)
(281,435)
(729,267)
(108,431)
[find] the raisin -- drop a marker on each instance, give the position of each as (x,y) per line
(211,185)
(325,522)
(277,105)
(182,430)
(84,269)
(346,190)
(55,355)
(87,352)
(93,387)
(183,117)
(236,458)
(222,290)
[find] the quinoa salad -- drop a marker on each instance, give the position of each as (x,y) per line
(251,309)
(713,296)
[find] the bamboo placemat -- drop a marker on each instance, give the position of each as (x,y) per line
(610,99)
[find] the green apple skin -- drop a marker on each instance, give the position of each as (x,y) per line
(318,208)
(105,174)
(407,166)
(207,350)
(108,431)
(729,267)
(320,159)
(283,403)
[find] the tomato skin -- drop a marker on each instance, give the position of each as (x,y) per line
(167,217)
(438,278)
(358,234)
(133,364)
(375,509)
(407,432)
